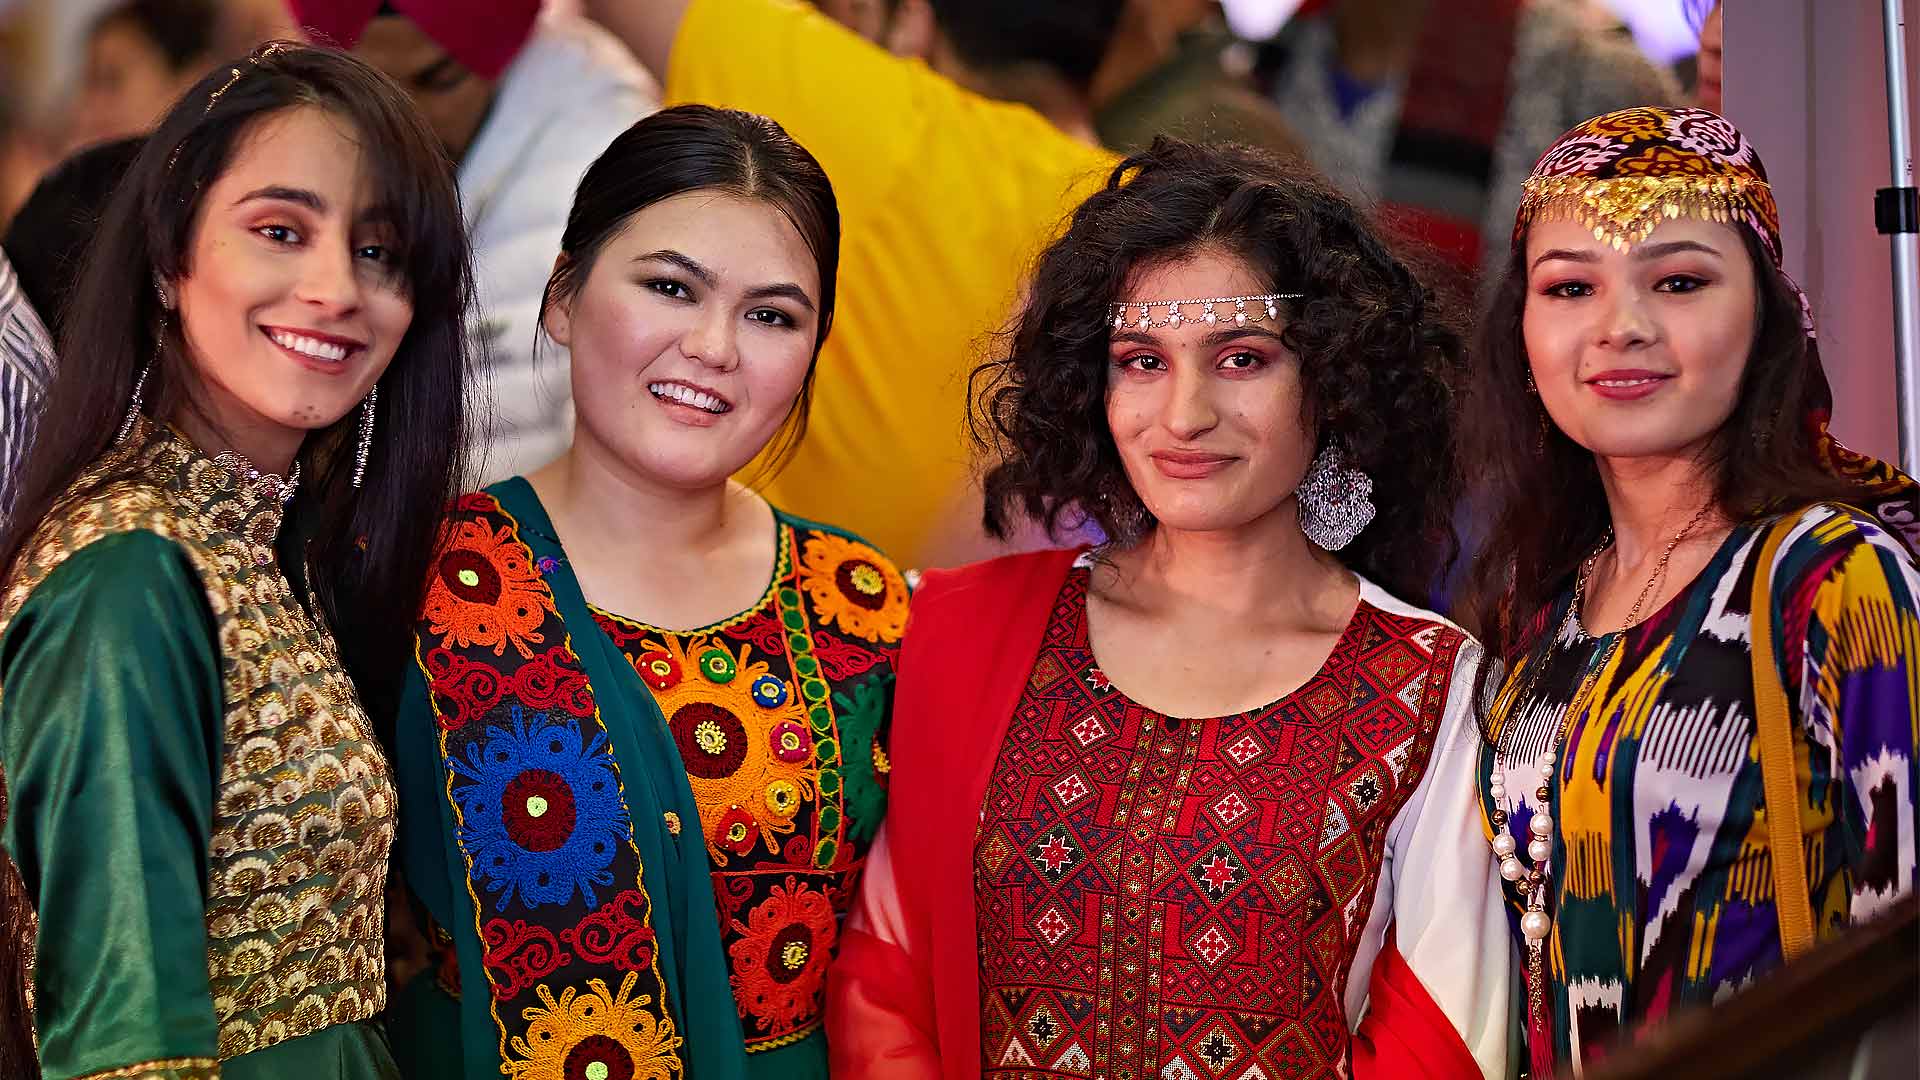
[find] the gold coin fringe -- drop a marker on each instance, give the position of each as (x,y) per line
(1624,210)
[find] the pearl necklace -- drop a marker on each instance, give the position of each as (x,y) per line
(1536,924)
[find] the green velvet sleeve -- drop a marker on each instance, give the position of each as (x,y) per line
(110,734)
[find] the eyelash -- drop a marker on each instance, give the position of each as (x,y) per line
(1561,289)
(376,253)
(678,290)
(1136,361)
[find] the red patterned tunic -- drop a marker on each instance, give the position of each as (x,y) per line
(1197,898)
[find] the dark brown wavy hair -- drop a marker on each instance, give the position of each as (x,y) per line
(1379,354)
(1539,491)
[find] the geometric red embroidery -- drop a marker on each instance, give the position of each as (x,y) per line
(1183,898)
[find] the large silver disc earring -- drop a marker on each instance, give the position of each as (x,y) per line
(366,437)
(1336,502)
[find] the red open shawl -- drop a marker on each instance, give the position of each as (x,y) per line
(914,1013)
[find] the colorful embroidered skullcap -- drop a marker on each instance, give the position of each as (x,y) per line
(1624,173)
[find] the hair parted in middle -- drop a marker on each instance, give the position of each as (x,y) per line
(690,148)
(1379,352)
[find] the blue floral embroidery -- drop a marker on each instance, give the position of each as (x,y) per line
(541,813)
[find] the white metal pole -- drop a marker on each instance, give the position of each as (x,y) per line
(1899,221)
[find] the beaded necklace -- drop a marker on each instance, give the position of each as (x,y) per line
(1536,924)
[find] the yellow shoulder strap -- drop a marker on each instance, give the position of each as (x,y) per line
(1779,771)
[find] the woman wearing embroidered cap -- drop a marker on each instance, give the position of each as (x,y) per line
(266,383)
(1197,802)
(1708,604)
(641,690)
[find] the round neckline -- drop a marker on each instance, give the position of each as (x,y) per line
(783,542)
(1347,631)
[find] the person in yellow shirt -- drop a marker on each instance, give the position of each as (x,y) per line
(946,196)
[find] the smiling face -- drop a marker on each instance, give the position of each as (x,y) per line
(691,337)
(1209,420)
(1639,354)
(292,304)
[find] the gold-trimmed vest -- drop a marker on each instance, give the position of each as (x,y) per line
(304,814)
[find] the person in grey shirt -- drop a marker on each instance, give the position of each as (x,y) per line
(26,365)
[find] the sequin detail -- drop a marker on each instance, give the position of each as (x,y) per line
(304,814)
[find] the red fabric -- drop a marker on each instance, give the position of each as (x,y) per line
(1404,1035)
(970,643)
(1105,822)
(484,44)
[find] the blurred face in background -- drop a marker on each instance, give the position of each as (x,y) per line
(1707,93)
(452,99)
(128,84)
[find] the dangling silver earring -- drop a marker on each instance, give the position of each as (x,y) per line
(1336,502)
(139,397)
(366,437)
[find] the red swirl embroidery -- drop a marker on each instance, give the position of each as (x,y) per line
(553,680)
(519,954)
(466,690)
(617,934)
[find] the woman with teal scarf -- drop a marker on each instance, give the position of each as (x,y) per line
(642,753)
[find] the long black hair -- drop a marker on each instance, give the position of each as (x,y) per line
(1378,351)
(370,548)
(1540,492)
(701,148)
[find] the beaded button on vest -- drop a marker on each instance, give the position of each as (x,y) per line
(304,814)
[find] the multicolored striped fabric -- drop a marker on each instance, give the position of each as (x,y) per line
(1662,892)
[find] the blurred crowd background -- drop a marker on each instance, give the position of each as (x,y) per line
(1434,110)
(78,72)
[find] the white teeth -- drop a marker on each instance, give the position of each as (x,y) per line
(306,346)
(687,395)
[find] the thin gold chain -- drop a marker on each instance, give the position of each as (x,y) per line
(1590,684)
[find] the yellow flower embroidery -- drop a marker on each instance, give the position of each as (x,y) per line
(597,1034)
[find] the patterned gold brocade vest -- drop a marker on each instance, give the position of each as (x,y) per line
(304,815)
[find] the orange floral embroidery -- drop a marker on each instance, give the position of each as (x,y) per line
(600,1034)
(743,739)
(855,587)
(780,959)
(485,592)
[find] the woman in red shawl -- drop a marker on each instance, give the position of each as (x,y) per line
(1197,802)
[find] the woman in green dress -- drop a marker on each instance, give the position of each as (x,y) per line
(643,752)
(213,563)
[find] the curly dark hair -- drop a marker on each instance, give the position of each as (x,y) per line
(1379,353)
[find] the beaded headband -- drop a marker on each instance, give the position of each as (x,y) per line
(1173,318)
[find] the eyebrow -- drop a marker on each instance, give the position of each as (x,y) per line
(1673,247)
(785,290)
(1212,340)
(275,193)
(1643,253)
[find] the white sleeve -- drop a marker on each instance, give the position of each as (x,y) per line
(1440,893)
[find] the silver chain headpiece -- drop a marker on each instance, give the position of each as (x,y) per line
(1138,314)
